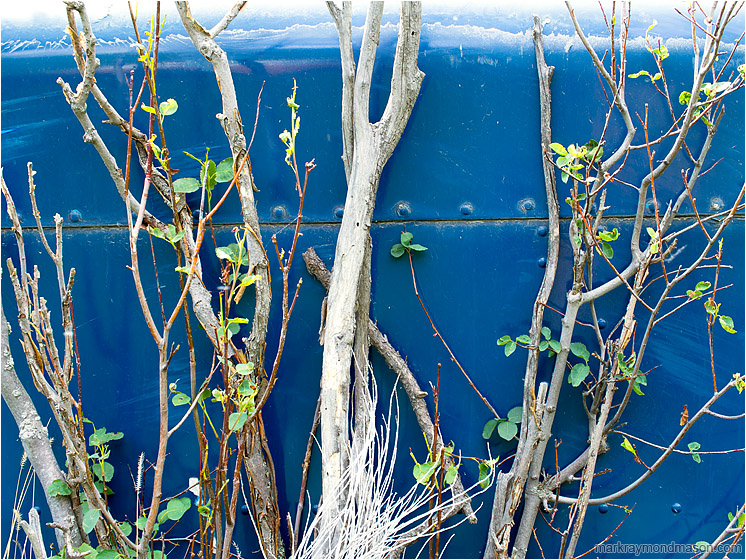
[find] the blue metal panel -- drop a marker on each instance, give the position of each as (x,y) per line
(468,162)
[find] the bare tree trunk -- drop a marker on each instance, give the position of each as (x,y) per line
(509,487)
(258,461)
(367,148)
(35,440)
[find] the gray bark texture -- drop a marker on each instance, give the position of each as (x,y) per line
(367,148)
(35,440)
(258,462)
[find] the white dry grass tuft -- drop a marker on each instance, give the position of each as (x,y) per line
(375,522)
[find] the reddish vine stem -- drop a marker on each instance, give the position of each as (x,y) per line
(711,319)
(445,344)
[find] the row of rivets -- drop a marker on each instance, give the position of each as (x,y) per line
(676,508)
(403,209)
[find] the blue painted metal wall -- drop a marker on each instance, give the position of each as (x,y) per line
(466,179)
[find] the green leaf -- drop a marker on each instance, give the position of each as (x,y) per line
(579,349)
(701,546)
(406,239)
(694,294)
(628,446)
(639,380)
(555,346)
(510,348)
(702,286)
(58,487)
(727,323)
(168,107)
(694,446)
(515,414)
(186,185)
(211,175)
(558,148)
(249,279)
(484,474)
(562,161)
(184,269)
(711,90)
(503,340)
(178,507)
(543,345)
(489,427)
(397,250)
(661,52)
(609,235)
(85,547)
(162,516)
(125,527)
(245,369)
(711,308)
(233,329)
(141,521)
(507,430)
(147,109)
(224,171)
(180,399)
(157,232)
(90,519)
(236,421)
(524,339)
(607,250)
(578,374)
(423,472)
(451,475)
(565,177)
(684,98)
(104,553)
(640,73)
(417,247)
(247,388)
(204,511)
(104,471)
(546,332)
(224,253)
(101,436)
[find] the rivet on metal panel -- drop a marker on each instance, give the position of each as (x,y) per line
(466,208)
(526,205)
(676,508)
(403,210)
(602,323)
(279,212)
(716,204)
(76,216)
(650,205)
(339,211)
(542,262)
(603,508)
(542,231)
